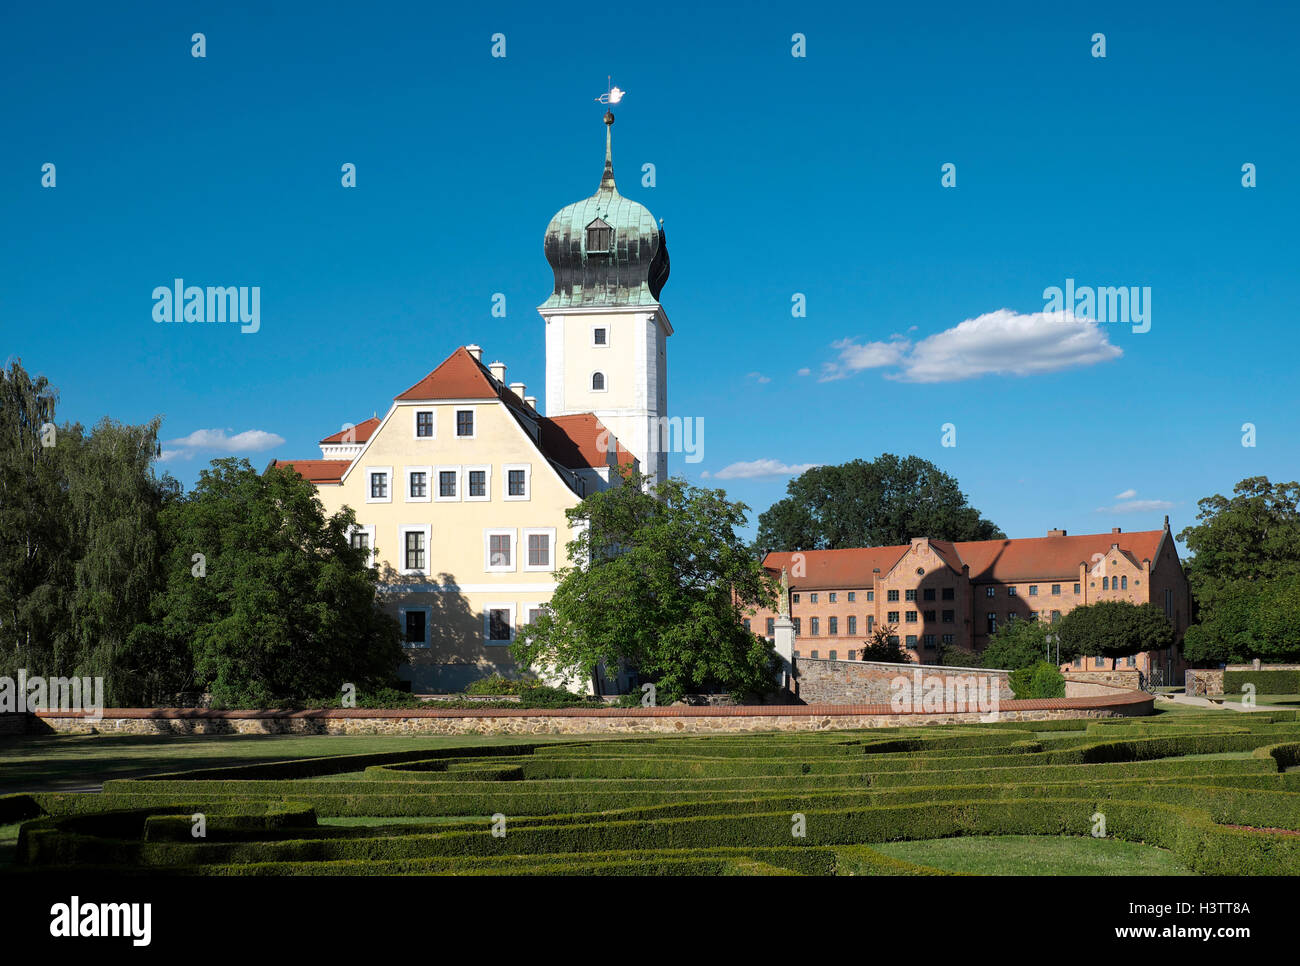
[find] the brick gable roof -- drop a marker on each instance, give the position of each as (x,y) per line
(360,432)
(575,441)
(1026,558)
(315,471)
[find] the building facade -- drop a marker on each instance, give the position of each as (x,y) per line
(460,488)
(941,593)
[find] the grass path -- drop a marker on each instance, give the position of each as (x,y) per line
(1032,854)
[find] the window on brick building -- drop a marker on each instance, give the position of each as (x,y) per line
(832,596)
(853,655)
(892,596)
(910,595)
(794,598)
(813,655)
(893,639)
(1056,590)
(771,627)
(929,615)
(892,617)
(795,621)
(814,626)
(928,593)
(1033,590)
(911,617)
(853,625)
(1099,661)
(834,655)
(947,638)
(871,622)
(1056,616)
(1123,583)
(1105,583)
(1076,588)
(871,595)
(948,593)
(812,598)
(992,622)
(832,626)
(911,640)
(929,640)
(1131,660)
(1011,592)
(949,616)
(853,596)
(1011,616)
(990,591)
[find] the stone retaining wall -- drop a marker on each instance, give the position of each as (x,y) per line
(869,682)
(675,720)
(1199,682)
(1129,679)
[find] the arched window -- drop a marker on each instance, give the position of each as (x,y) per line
(597,382)
(1105,583)
(1123,583)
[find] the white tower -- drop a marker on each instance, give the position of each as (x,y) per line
(606,333)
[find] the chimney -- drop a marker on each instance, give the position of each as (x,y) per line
(1115,530)
(1114,546)
(476,351)
(532,402)
(498,370)
(1056,533)
(518,389)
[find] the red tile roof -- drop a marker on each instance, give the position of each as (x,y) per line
(316,471)
(460,376)
(576,441)
(360,432)
(1027,558)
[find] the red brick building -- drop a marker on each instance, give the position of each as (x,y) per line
(938,593)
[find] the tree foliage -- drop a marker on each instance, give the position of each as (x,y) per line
(884,645)
(884,502)
(659,580)
(1245,574)
(267,593)
(1114,628)
(1022,643)
(80,562)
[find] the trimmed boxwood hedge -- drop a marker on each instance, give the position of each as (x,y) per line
(664,805)
(1265,681)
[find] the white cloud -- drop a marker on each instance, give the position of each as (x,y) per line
(805,371)
(1137,506)
(759,377)
(996,343)
(217,441)
(759,468)
(1126,495)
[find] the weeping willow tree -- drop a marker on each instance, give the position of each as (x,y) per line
(80,558)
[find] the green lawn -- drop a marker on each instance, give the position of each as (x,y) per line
(1031,854)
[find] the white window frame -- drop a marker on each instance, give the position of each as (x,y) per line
(528,481)
(455,422)
(597,372)
(428,483)
(487,624)
(486,469)
(436,490)
(428,626)
(402,531)
(488,534)
(388,471)
(548,532)
(369,530)
(415,423)
(600,345)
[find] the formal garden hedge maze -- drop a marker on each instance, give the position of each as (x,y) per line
(1219,791)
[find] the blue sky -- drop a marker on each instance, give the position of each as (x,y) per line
(776,175)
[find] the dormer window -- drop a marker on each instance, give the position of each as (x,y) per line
(600,237)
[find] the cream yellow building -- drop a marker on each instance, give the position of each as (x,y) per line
(460,489)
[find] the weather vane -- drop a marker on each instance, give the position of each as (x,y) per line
(611,96)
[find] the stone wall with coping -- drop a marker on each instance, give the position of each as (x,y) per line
(1128,679)
(675,720)
(1199,682)
(870,682)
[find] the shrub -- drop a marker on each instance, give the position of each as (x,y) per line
(1041,680)
(1265,681)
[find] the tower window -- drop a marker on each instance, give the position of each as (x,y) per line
(599,335)
(600,237)
(597,382)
